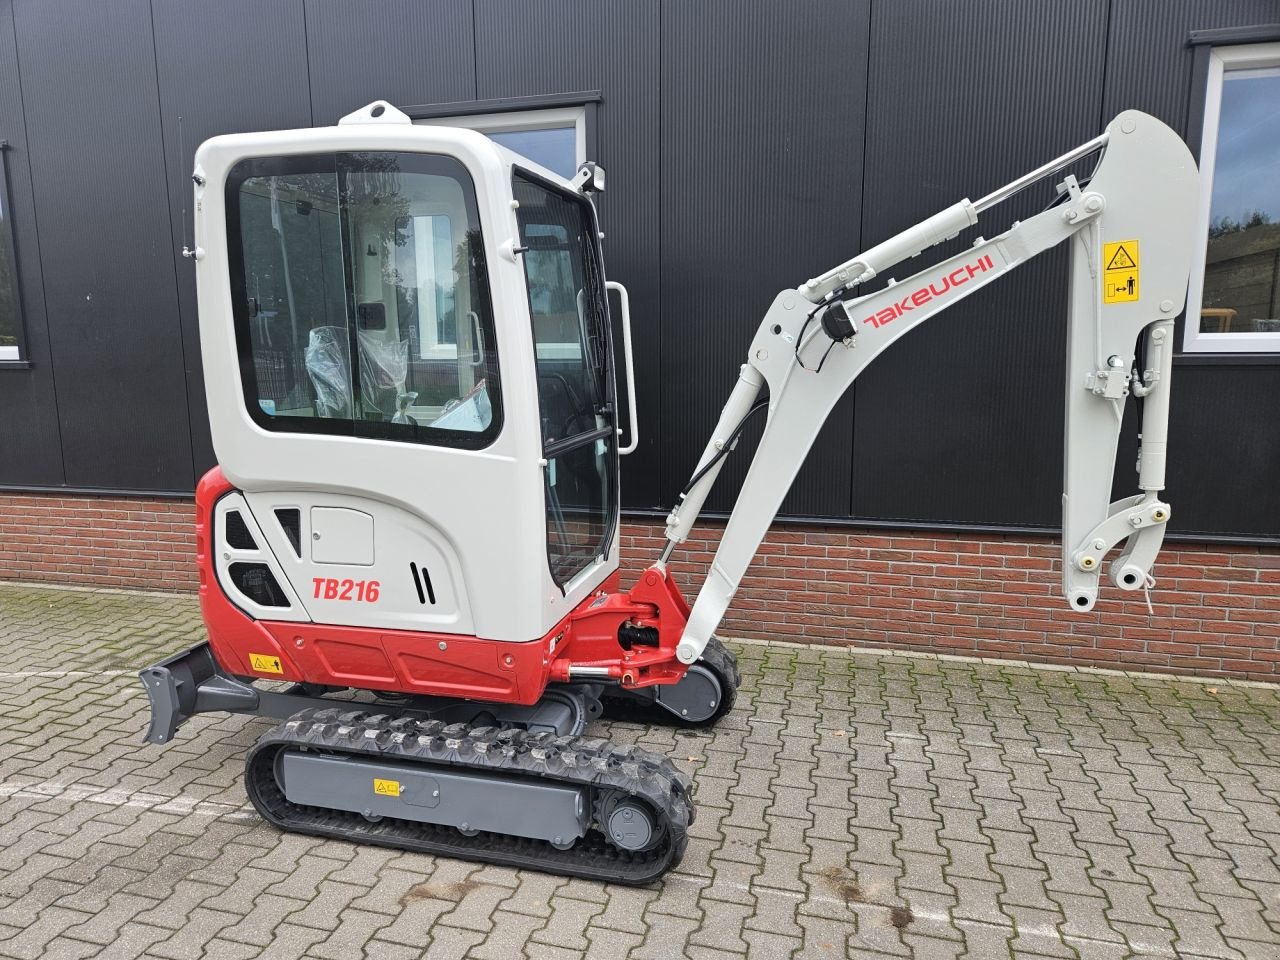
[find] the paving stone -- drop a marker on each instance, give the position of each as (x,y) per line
(852,805)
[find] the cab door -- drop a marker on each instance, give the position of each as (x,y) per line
(573,357)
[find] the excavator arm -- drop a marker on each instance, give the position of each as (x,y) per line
(1129,229)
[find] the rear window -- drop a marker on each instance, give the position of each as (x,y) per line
(361,299)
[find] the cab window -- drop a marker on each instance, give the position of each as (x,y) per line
(570,319)
(361,297)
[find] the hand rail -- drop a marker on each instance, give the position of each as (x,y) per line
(625,300)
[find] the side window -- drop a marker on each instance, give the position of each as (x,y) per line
(575,379)
(555,138)
(10,301)
(553,291)
(1238,290)
(295,298)
(361,298)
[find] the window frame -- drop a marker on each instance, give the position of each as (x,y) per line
(436,350)
(521,121)
(1221,61)
(248,168)
(14,355)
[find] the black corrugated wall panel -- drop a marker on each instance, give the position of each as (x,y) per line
(1149,60)
(550,47)
(29,433)
(762,140)
(961,421)
(97,163)
(216,77)
(402,51)
(1224,448)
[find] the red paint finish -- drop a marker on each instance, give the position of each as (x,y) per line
(408,661)
(438,664)
(233,635)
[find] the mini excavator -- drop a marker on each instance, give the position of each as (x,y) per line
(409,552)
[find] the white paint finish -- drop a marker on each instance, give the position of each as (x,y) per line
(1144,189)
(341,535)
(224,555)
(400,536)
(481,511)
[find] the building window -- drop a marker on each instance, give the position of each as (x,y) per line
(1237,291)
(553,138)
(10,301)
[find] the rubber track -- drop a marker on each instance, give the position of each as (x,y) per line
(715,655)
(579,761)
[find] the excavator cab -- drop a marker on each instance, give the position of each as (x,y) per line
(408,356)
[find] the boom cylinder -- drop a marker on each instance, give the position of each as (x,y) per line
(927,233)
(682,518)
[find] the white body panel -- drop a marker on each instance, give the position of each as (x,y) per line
(264,551)
(476,515)
(399,537)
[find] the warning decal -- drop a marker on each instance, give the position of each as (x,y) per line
(1120,272)
(388,788)
(263,663)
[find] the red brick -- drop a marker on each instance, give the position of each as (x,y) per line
(1217,610)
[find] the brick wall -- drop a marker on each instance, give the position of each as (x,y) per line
(1217,608)
(103,541)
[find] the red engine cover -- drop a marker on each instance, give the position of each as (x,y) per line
(435,664)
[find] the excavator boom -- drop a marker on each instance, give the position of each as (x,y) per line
(1129,230)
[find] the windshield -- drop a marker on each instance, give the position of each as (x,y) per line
(575,381)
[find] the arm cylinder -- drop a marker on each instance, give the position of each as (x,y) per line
(1155,408)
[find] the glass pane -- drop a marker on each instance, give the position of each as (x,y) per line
(1242,265)
(425,285)
(555,148)
(580,507)
(566,302)
(570,334)
(365,298)
(8,276)
(293,274)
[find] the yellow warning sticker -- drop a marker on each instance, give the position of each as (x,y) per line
(265,663)
(388,788)
(1120,272)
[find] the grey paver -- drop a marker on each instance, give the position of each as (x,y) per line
(852,805)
